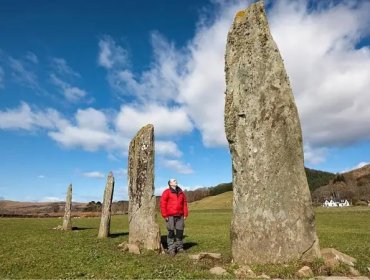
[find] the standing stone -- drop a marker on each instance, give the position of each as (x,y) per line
(67,223)
(273,220)
(143,229)
(106,209)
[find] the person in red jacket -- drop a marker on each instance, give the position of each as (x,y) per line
(174,209)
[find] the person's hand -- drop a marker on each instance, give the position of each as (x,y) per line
(185,218)
(166,219)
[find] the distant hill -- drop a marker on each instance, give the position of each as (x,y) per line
(18,208)
(352,185)
(315,179)
(221,201)
(10,208)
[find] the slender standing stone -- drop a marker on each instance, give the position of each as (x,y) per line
(273,219)
(67,223)
(106,209)
(143,229)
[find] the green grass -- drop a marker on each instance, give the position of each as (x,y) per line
(221,201)
(30,248)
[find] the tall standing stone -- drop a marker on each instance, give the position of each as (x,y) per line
(104,229)
(143,229)
(273,219)
(67,223)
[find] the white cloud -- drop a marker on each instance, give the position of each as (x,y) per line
(62,67)
(167,121)
(91,132)
(86,138)
(120,173)
(24,118)
(32,57)
(71,93)
(41,176)
(93,174)
(167,148)
(23,75)
(158,84)
(177,165)
(314,155)
(91,118)
(359,165)
(191,77)
(329,75)
(51,199)
(110,54)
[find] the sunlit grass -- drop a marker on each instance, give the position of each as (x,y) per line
(30,248)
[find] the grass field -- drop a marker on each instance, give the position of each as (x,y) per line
(30,248)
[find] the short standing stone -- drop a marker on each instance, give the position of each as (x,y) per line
(143,229)
(67,223)
(273,220)
(104,229)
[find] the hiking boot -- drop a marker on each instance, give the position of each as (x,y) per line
(172,253)
(171,246)
(179,246)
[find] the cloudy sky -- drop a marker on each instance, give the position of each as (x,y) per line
(79,78)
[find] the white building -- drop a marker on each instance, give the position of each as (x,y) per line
(332,203)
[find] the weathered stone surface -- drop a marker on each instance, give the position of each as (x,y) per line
(273,220)
(123,246)
(305,272)
(244,272)
(333,257)
(67,223)
(354,271)
(143,228)
(218,270)
(133,248)
(205,255)
(104,229)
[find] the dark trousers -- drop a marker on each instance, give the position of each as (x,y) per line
(175,226)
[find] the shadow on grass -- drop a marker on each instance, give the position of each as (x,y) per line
(81,228)
(118,234)
(187,245)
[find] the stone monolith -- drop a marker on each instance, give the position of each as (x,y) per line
(67,222)
(104,229)
(273,220)
(143,230)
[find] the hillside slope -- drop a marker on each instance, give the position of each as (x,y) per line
(353,185)
(221,201)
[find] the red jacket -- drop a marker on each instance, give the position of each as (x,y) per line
(173,203)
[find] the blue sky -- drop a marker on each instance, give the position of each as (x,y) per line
(78,79)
